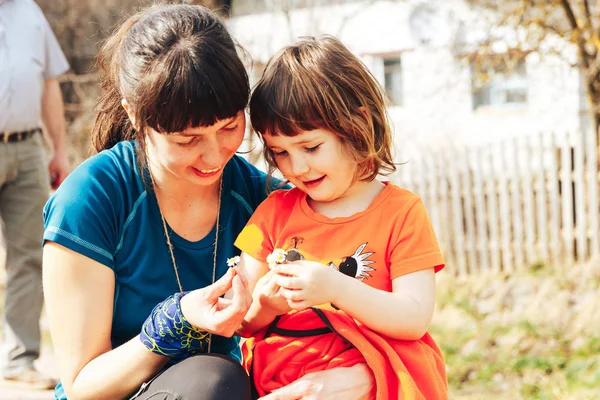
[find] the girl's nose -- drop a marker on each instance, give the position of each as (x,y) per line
(299,165)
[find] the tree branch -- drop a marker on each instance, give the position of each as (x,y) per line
(580,40)
(588,14)
(547,27)
(570,15)
(594,68)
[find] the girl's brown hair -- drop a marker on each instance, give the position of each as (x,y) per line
(177,66)
(318,83)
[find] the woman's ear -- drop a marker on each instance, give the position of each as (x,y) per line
(129,112)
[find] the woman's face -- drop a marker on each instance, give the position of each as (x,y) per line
(197,155)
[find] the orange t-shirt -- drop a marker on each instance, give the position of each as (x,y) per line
(391,238)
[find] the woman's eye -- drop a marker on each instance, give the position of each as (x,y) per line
(313,149)
(188,143)
(279,153)
(231,129)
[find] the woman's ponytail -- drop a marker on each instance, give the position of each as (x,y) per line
(112,125)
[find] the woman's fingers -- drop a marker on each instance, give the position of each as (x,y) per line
(241,297)
(242,274)
(240,301)
(223,303)
(221,286)
(229,317)
(207,310)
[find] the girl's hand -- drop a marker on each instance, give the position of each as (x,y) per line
(208,311)
(308,283)
(269,295)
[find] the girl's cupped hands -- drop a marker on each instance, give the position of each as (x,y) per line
(308,283)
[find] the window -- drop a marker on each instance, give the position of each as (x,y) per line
(496,84)
(392,79)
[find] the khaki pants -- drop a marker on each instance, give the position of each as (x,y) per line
(24,188)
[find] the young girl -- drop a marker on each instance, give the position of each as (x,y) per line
(343,263)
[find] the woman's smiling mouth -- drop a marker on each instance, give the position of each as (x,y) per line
(206,172)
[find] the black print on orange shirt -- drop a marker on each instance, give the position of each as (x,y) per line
(294,254)
(357,264)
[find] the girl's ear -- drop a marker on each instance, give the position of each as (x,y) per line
(129,111)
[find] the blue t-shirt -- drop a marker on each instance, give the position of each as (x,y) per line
(106,211)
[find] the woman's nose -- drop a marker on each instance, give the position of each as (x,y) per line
(213,153)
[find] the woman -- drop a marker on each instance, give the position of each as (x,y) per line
(154,215)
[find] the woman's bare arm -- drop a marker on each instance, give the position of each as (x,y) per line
(79,295)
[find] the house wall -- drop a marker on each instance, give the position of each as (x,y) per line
(437,107)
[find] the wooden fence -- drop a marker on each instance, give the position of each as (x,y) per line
(511,204)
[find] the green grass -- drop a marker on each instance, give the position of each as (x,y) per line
(491,356)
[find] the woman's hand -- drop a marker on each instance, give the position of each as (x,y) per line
(308,283)
(269,295)
(206,310)
(298,390)
(352,383)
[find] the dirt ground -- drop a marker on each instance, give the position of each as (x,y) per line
(11,390)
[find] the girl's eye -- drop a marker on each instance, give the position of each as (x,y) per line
(313,149)
(280,153)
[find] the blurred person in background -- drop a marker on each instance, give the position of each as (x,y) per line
(30,96)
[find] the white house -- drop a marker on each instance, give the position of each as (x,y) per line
(503,169)
(416,49)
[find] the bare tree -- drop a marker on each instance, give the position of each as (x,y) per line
(538,23)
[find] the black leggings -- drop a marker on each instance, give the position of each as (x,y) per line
(203,377)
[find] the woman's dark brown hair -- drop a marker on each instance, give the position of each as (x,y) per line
(177,67)
(318,83)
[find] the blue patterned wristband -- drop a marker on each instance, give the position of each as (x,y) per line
(168,333)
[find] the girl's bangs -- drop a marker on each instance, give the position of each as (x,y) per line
(279,107)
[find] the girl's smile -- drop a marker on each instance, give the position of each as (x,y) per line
(313,183)
(315,161)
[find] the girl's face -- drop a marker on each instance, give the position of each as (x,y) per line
(197,155)
(316,162)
